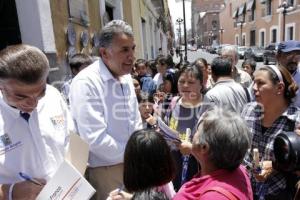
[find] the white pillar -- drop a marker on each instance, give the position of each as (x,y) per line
(36,25)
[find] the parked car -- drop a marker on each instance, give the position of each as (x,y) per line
(192,48)
(219,49)
(255,53)
(211,49)
(270,53)
(241,51)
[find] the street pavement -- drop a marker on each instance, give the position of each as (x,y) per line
(193,55)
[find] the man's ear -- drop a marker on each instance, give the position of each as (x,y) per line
(103,52)
(74,71)
(202,149)
(1,84)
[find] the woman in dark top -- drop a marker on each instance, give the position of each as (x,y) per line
(271,113)
(183,114)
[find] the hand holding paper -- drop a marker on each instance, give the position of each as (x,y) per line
(68,181)
(26,190)
(168,133)
(30,179)
(186,146)
(67,184)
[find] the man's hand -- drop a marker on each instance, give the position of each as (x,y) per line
(297,130)
(184,147)
(265,172)
(151,120)
(119,195)
(27,190)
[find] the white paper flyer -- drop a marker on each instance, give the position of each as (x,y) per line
(67,184)
(168,133)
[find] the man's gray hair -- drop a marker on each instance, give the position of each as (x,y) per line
(24,63)
(227,137)
(230,49)
(113,28)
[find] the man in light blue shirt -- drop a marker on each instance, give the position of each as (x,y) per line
(104,106)
(225,93)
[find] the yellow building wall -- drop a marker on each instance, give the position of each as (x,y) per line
(132,15)
(59,9)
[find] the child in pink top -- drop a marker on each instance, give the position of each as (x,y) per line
(147,164)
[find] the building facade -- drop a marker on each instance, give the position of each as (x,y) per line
(205,21)
(61,28)
(260,22)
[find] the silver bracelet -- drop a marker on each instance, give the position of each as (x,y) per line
(10,191)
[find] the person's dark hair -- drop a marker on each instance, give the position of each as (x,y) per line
(200,63)
(149,194)
(193,70)
(136,78)
(24,63)
(140,61)
(290,86)
(221,67)
(170,61)
(226,135)
(147,161)
(178,66)
(152,65)
(169,76)
(111,29)
(80,60)
(251,63)
(145,97)
(166,60)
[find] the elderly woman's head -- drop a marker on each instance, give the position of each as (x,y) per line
(222,139)
(272,82)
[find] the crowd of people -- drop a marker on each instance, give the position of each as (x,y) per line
(219,112)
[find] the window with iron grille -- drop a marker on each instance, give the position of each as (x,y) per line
(290,33)
(290,2)
(252,38)
(274,36)
(269,7)
(262,39)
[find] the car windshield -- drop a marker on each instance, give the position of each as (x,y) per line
(271,47)
(257,49)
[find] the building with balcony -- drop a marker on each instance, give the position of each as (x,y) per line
(205,21)
(260,22)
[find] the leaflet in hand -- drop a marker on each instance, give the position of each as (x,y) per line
(66,184)
(168,133)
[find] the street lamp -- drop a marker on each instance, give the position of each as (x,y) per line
(221,31)
(196,39)
(210,34)
(184,26)
(179,21)
(240,23)
(284,8)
